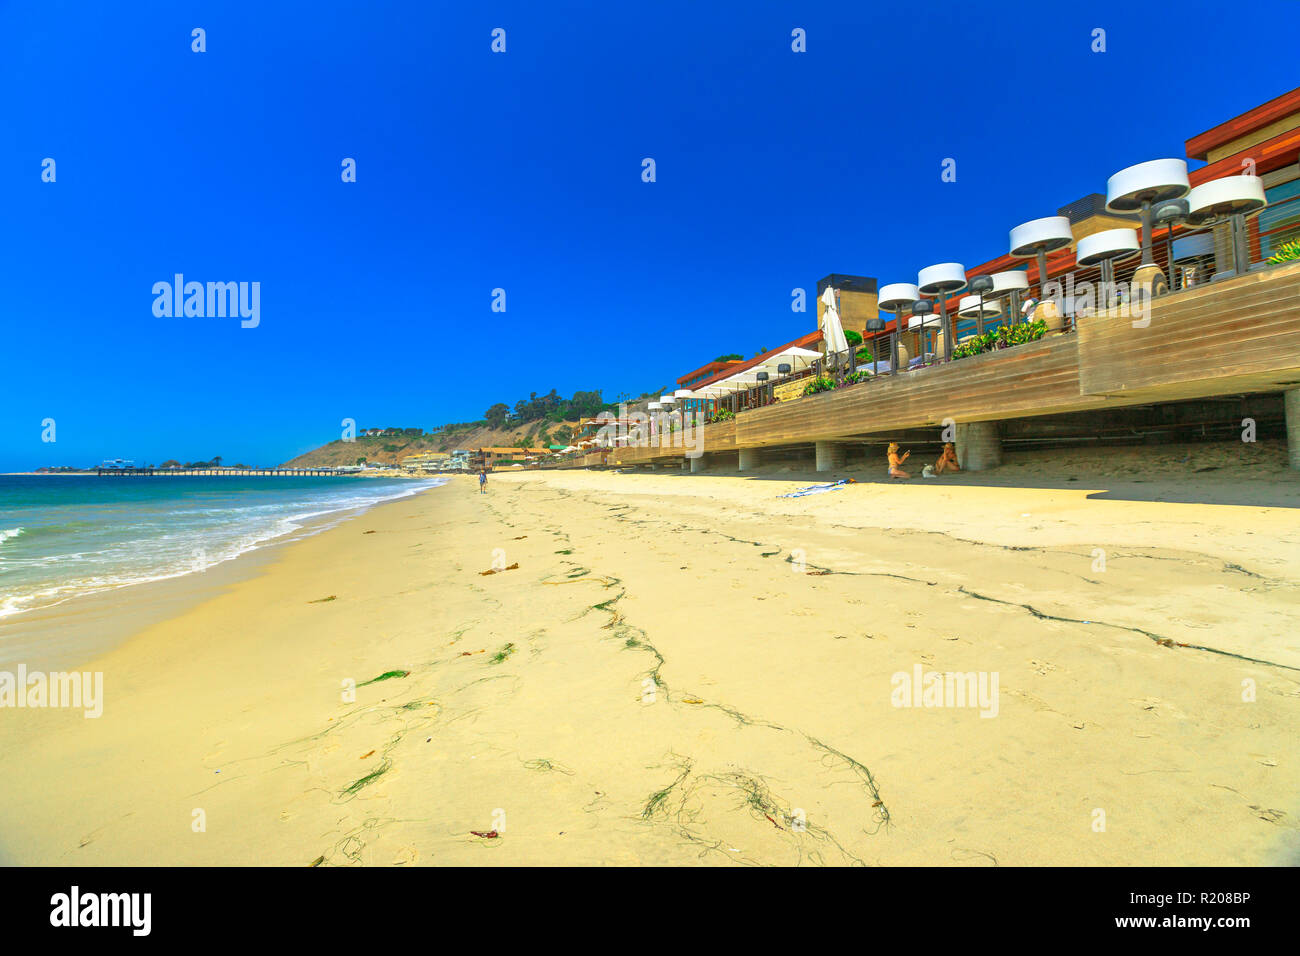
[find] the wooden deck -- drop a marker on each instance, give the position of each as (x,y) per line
(1034,379)
(1240,335)
(1236,336)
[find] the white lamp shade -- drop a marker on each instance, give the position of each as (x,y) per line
(666,399)
(1152,181)
(1108,244)
(930,321)
(941,278)
(1004,282)
(653,406)
(1225,197)
(969,307)
(897,295)
(1052,232)
(683,393)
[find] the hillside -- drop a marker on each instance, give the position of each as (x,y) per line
(390,450)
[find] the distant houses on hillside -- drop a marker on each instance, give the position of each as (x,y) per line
(437,461)
(391,432)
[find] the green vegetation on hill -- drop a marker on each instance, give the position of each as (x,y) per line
(549,407)
(533,422)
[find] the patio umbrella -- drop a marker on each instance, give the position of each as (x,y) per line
(832,330)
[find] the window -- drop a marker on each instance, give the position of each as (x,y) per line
(1280,221)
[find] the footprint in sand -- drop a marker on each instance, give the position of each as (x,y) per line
(405,856)
(1266,760)
(1039,705)
(1269,816)
(1160,707)
(1042,667)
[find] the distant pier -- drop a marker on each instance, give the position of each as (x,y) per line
(132,472)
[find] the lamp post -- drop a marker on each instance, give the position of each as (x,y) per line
(941,281)
(875,325)
(922,309)
(974,307)
(980,285)
(1036,238)
(1013,281)
(1170,213)
(1136,188)
(1230,199)
(897,297)
(1105,249)
(651,408)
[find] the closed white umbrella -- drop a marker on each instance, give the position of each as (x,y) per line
(832,330)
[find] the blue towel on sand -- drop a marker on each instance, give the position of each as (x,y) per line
(817,489)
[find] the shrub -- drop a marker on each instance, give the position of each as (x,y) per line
(1287,252)
(1003,337)
(853,338)
(822,383)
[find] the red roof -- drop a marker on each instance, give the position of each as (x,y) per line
(1199,146)
(709,368)
(803,342)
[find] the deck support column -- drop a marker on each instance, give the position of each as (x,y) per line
(830,455)
(1291,401)
(750,458)
(698,464)
(978,446)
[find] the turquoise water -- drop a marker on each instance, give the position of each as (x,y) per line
(62,537)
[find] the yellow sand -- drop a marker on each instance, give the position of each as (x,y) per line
(532,707)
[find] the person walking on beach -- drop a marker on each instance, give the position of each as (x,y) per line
(482,482)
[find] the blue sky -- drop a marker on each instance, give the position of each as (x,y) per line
(522,171)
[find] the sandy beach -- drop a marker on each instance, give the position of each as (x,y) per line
(691,669)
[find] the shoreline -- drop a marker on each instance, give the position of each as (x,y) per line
(683,668)
(80,628)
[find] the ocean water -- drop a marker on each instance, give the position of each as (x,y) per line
(63,537)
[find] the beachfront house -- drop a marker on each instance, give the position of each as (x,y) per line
(1168,304)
